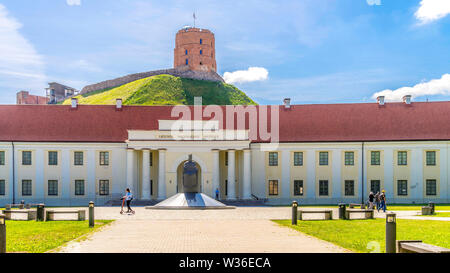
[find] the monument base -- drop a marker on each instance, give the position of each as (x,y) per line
(190,201)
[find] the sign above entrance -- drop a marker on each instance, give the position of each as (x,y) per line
(188,125)
(227,135)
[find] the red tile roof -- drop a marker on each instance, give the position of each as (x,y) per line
(300,123)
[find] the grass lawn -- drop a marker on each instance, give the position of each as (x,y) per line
(357,235)
(39,237)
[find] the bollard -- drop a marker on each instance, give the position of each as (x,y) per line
(294,212)
(2,234)
(342,209)
(91,214)
(431,205)
(40,213)
(391,233)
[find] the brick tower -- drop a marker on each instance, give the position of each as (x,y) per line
(195,47)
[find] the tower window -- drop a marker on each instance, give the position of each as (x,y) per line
(201,41)
(201,52)
(187,61)
(186,52)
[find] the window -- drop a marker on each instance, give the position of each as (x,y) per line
(104,158)
(104,187)
(2,188)
(375,158)
(53,187)
(375,186)
(26,188)
(323,158)
(151,187)
(53,158)
(226,187)
(349,158)
(402,158)
(201,41)
(298,187)
(187,61)
(78,158)
(226,158)
(349,187)
(26,158)
(402,187)
(186,52)
(201,52)
(431,187)
(151,159)
(273,187)
(323,188)
(79,187)
(273,159)
(298,159)
(431,158)
(2,158)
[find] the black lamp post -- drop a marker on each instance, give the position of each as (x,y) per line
(391,232)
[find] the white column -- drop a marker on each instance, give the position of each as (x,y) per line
(162,175)
(145,195)
(216,172)
(130,169)
(231,175)
(247,190)
(38,161)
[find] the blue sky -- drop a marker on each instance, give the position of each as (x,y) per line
(315,51)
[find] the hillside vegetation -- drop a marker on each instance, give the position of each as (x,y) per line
(168,90)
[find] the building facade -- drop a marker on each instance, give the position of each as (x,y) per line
(324,154)
(24,97)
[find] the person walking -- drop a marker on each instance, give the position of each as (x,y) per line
(383,200)
(371,199)
(128,197)
(217,193)
(377,200)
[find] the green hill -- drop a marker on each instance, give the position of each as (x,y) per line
(168,90)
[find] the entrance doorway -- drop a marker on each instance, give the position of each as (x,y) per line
(189,177)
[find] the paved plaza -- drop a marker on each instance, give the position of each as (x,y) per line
(240,230)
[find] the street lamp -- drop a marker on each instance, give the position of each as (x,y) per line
(391,232)
(91,214)
(2,234)
(294,212)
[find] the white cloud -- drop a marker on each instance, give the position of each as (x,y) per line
(73,2)
(374,2)
(252,74)
(431,10)
(434,87)
(21,67)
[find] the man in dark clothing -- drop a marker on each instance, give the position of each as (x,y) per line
(383,200)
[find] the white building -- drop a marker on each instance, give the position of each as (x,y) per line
(323,154)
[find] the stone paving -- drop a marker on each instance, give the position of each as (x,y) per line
(199,236)
(242,230)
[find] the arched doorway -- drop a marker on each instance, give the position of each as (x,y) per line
(189,177)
